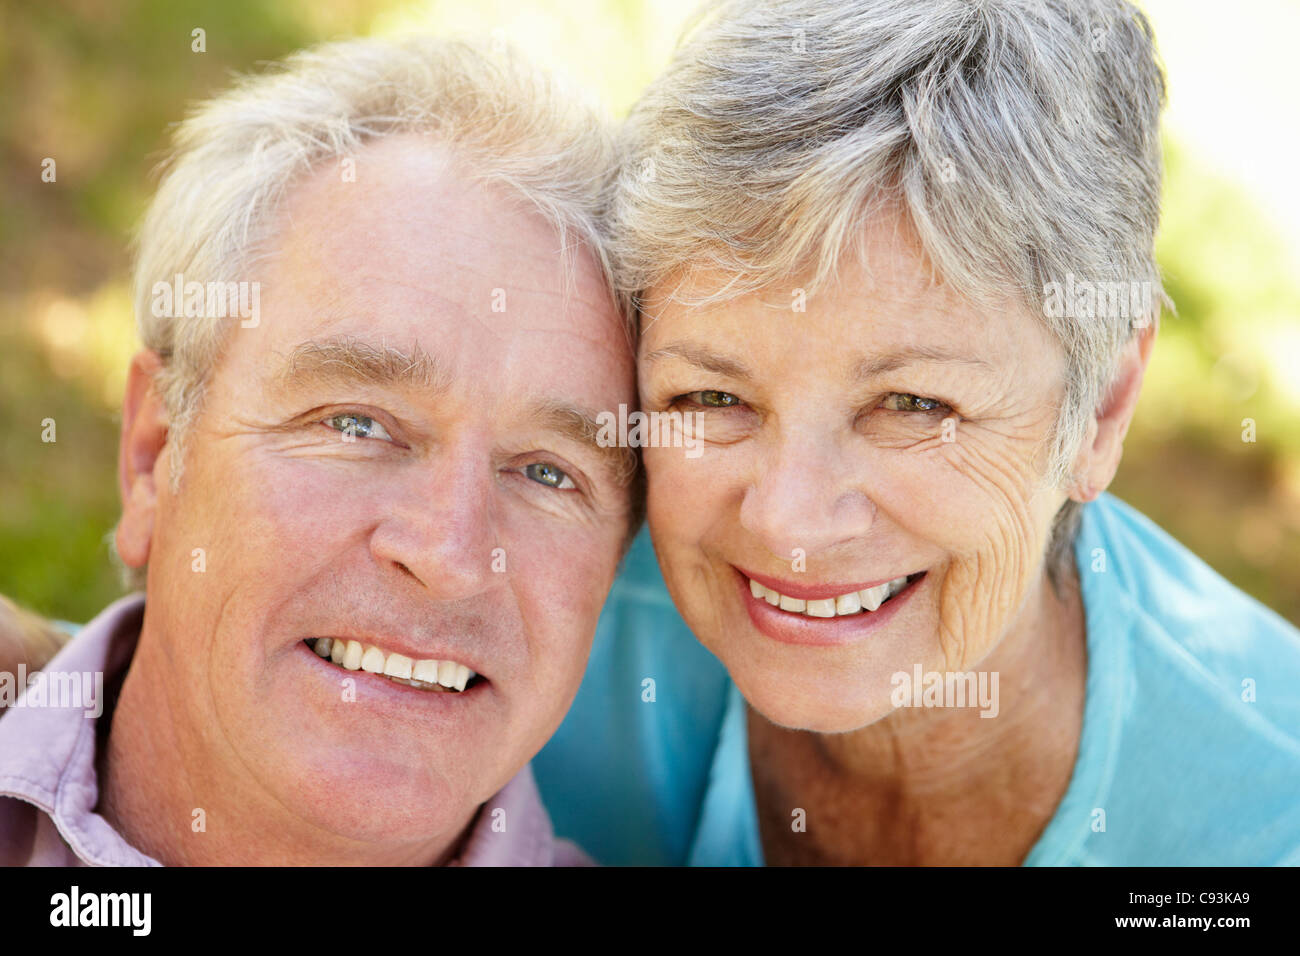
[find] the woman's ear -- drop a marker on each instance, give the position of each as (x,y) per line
(144,435)
(1099,456)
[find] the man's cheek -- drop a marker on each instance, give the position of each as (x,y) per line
(300,506)
(561,588)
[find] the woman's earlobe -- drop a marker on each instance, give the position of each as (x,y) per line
(1083,491)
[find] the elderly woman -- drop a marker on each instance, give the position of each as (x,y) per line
(893,261)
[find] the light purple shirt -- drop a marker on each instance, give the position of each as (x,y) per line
(49,786)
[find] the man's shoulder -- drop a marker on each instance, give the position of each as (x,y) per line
(47,749)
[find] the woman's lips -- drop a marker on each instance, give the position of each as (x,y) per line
(795,627)
(809,592)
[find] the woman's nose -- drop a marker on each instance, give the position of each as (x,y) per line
(806,495)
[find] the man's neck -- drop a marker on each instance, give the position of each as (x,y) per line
(174,792)
(939,784)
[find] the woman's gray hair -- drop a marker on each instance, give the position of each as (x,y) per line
(236,156)
(1020,137)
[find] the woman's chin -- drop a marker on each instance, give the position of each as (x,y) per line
(811,705)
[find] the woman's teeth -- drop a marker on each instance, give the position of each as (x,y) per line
(868,599)
(429,675)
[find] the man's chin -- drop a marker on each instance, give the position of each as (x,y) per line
(375,798)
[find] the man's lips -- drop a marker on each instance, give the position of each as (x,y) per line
(402,697)
(425,672)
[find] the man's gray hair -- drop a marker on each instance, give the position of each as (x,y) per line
(1020,137)
(236,156)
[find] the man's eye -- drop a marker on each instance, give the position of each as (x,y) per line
(712,399)
(357,426)
(902,402)
(549,475)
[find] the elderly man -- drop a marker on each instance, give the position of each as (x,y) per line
(359,482)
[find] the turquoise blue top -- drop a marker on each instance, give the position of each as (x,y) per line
(1190,751)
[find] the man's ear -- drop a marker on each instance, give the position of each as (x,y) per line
(1098,457)
(144,435)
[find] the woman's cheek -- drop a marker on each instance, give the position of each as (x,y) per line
(692,509)
(662,513)
(983,510)
(685,495)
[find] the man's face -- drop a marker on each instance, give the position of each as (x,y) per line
(395,455)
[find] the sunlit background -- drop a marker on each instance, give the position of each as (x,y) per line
(94,85)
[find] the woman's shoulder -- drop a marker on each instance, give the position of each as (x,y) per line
(1123,555)
(1191,744)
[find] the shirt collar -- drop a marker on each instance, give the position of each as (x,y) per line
(49,751)
(511,829)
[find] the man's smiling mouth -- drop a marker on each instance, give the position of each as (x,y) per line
(437,676)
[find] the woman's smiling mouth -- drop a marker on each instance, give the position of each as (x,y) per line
(822,614)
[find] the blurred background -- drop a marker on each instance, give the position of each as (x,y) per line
(94,85)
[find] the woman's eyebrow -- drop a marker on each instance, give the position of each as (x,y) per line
(879,365)
(711,361)
(704,358)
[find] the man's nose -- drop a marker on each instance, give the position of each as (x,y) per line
(440,527)
(807,494)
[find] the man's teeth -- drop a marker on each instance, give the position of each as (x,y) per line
(355,656)
(868,599)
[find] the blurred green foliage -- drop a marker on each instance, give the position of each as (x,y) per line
(95,85)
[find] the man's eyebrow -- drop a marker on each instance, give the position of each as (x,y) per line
(704,358)
(911,355)
(348,361)
(580,425)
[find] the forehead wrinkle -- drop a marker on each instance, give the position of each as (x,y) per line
(346,360)
(579,425)
(564,296)
(869,368)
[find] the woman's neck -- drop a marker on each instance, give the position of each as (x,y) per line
(937,784)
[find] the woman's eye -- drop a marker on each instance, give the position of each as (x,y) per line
(357,426)
(711,399)
(902,402)
(549,475)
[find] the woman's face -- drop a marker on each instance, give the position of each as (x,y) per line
(888,432)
